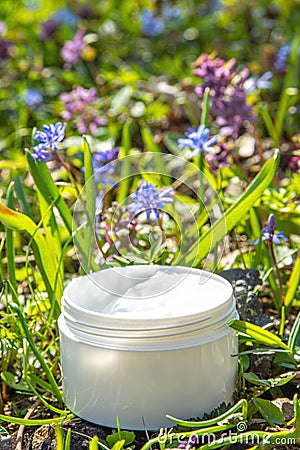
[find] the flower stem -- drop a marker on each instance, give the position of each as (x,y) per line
(68,169)
(278,273)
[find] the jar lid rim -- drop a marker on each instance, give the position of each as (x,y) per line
(88,316)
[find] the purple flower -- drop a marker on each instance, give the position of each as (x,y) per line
(227,93)
(197,140)
(294,163)
(104,167)
(81,106)
(48,29)
(33,98)
(71,50)
(3,28)
(150,199)
(6,49)
(151,25)
(85,11)
(220,158)
(49,138)
(191,443)
(268,232)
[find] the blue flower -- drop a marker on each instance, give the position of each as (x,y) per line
(65,15)
(150,199)
(104,167)
(101,158)
(281,58)
(99,202)
(170,12)
(197,140)
(33,98)
(263,82)
(268,232)
(48,140)
(151,25)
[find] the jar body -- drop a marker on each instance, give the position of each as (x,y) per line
(142,386)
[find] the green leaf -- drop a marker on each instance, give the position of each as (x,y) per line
(68,440)
(151,146)
(290,92)
(52,237)
(43,256)
(270,412)
(241,404)
(205,107)
(44,182)
(94,444)
(119,445)
(10,245)
(254,379)
(59,438)
(127,436)
(10,380)
(295,333)
(90,205)
(21,197)
(200,249)
(125,170)
(170,140)
(257,333)
(34,422)
(292,284)
(38,355)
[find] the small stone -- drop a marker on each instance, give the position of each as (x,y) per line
(247,146)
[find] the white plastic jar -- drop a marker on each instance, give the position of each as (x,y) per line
(140,342)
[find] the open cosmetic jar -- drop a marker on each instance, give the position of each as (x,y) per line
(140,342)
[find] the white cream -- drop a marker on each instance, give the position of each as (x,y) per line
(187,297)
(149,292)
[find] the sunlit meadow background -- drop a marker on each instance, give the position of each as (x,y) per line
(128,78)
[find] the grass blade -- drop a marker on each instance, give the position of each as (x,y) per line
(295,332)
(151,146)
(94,444)
(205,107)
(68,440)
(289,92)
(200,249)
(38,355)
(10,246)
(59,434)
(263,110)
(34,422)
(125,171)
(90,202)
(53,240)
(258,334)
(292,284)
(21,197)
(242,404)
